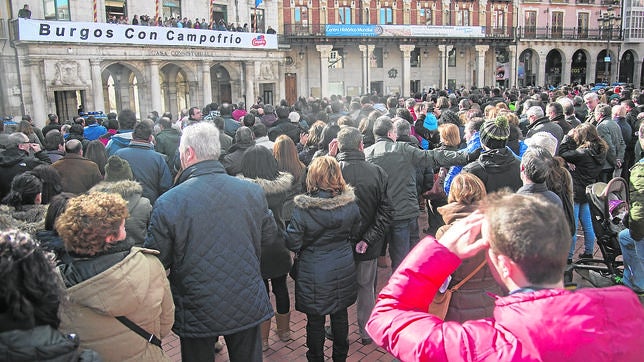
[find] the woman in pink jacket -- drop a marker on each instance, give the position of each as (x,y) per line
(537,321)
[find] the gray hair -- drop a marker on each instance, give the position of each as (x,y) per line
(382,126)
(537,163)
(402,126)
(603,109)
(17,138)
(349,139)
(544,140)
(535,110)
(567,104)
(591,95)
(203,138)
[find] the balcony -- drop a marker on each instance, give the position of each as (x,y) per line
(550,33)
(590,2)
(407,32)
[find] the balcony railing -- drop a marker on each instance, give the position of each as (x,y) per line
(585,1)
(299,30)
(568,33)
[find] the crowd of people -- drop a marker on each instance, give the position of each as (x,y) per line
(188,222)
(178,22)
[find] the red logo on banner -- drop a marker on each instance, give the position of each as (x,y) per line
(260,41)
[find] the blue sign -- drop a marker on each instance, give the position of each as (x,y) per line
(352,30)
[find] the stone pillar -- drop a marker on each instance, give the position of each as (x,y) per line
(406,73)
(325,52)
(480,56)
(193,89)
(443,49)
(591,71)
(513,67)
(637,73)
(97,85)
(38,88)
(364,49)
(566,71)
(541,69)
(249,77)
(281,85)
(155,86)
(206,82)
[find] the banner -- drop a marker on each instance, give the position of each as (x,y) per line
(114,34)
(411,31)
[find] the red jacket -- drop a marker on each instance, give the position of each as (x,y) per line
(586,325)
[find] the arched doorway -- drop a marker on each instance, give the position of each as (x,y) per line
(120,86)
(604,67)
(220,84)
(526,72)
(553,68)
(175,90)
(627,67)
(578,68)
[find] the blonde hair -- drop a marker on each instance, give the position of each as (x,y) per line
(89,219)
(466,188)
(325,175)
(449,134)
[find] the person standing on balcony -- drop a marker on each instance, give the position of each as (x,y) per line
(24,13)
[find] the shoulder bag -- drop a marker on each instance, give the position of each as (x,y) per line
(440,304)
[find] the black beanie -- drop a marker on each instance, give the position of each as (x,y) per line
(494,133)
(117,169)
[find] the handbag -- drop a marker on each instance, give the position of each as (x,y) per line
(440,304)
(437,192)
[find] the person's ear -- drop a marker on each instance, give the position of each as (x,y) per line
(38,199)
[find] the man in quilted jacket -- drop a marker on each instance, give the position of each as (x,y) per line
(209,229)
(537,321)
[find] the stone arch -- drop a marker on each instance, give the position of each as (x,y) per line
(528,67)
(122,83)
(579,66)
(553,69)
(176,90)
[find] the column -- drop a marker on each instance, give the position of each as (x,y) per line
(193,88)
(325,52)
(444,50)
(97,85)
(480,56)
(38,111)
(155,86)
(637,73)
(541,70)
(566,71)
(280,84)
(249,77)
(591,70)
(364,49)
(513,66)
(406,73)
(206,82)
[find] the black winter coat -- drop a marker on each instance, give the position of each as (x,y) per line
(322,230)
(370,186)
(14,161)
(497,169)
(276,259)
(588,165)
(209,230)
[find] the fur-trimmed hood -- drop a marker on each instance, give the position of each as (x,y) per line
(30,219)
(324,202)
(126,188)
(282,183)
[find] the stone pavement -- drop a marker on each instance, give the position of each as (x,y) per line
(295,350)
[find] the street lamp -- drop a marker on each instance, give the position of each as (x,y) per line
(608,19)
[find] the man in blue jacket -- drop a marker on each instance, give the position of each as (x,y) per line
(209,230)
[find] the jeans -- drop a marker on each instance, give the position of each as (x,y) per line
(633,254)
(403,236)
(315,336)
(280,290)
(244,345)
(366,272)
(582,213)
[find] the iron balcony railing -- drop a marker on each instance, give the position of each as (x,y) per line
(568,33)
(318,30)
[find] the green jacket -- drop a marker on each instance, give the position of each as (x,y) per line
(636,213)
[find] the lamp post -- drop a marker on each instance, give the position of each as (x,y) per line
(608,19)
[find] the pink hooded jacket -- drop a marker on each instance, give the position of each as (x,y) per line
(605,324)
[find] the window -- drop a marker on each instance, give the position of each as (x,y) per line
(557,24)
(451,58)
(336,58)
(498,19)
(301,19)
(582,25)
(463,18)
(172,9)
(344,15)
(530,23)
(414,59)
(386,16)
(426,16)
(56,9)
(257,17)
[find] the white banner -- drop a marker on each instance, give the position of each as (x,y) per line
(106,33)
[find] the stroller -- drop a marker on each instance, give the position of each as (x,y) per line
(602,198)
